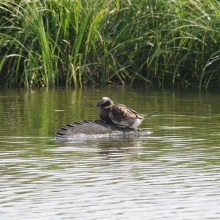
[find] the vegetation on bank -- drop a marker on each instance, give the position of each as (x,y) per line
(63,42)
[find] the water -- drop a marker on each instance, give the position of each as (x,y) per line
(173,173)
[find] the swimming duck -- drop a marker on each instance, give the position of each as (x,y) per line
(105,105)
(119,114)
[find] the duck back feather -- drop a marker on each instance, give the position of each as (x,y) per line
(124,116)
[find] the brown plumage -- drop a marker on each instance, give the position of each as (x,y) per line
(119,114)
(124,116)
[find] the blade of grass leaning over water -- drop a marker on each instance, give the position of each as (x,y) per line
(48,43)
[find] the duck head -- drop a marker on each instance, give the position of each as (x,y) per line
(104,102)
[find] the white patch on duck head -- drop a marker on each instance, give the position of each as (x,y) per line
(103,102)
(106,99)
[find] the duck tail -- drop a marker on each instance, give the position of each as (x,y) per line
(146,116)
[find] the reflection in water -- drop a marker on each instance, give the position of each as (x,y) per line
(172,173)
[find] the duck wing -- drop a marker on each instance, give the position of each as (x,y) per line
(121,112)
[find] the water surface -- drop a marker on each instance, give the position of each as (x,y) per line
(173,173)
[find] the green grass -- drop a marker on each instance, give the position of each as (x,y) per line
(51,42)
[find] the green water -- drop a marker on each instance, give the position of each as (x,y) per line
(173,173)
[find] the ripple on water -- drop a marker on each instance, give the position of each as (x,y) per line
(92,181)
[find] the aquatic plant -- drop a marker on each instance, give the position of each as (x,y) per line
(47,43)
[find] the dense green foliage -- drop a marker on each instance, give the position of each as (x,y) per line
(56,42)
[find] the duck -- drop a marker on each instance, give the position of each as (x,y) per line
(105,105)
(119,114)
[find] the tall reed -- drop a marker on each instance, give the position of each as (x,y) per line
(51,42)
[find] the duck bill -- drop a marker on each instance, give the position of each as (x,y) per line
(97,105)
